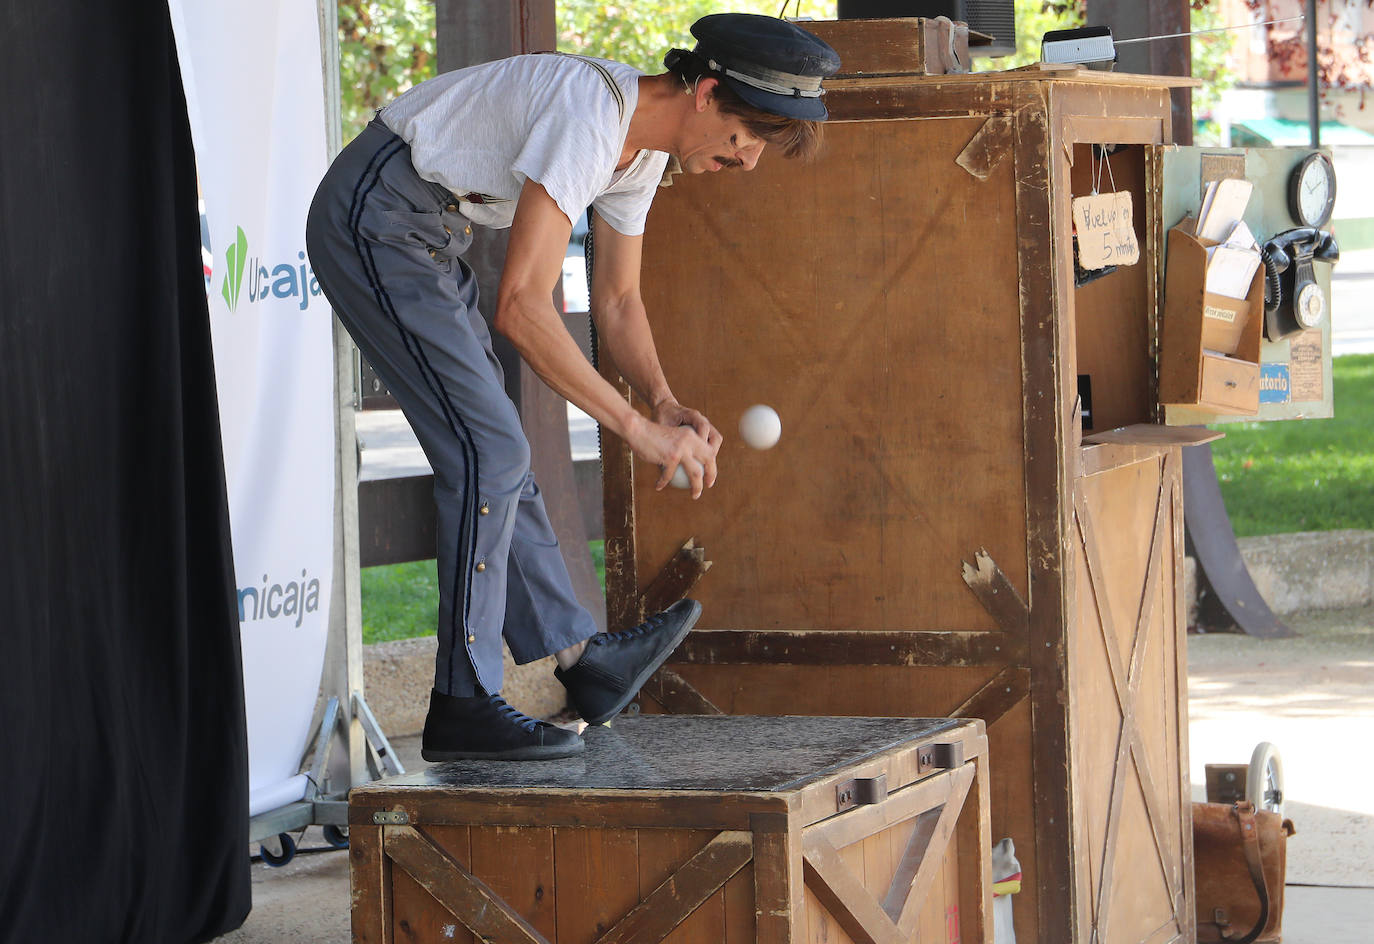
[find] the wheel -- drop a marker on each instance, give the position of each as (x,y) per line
(278,859)
(1264,779)
(336,836)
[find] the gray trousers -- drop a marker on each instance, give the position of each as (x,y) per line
(386,248)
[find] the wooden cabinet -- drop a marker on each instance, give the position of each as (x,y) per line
(688,830)
(932,536)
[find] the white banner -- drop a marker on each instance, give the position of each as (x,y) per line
(255,93)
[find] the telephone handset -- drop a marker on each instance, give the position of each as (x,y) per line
(1293,301)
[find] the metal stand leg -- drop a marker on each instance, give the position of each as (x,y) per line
(1230,595)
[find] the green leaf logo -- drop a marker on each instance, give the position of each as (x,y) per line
(233,276)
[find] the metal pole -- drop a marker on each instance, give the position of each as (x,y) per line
(343,668)
(1314,117)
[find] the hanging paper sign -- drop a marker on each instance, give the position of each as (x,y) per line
(1106,230)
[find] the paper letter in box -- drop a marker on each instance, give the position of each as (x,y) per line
(1225,209)
(1229,270)
(1241,237)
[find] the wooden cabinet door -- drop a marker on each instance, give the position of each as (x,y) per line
(1128,691)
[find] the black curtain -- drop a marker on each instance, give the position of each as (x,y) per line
(123,809)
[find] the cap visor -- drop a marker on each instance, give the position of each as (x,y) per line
(789,106)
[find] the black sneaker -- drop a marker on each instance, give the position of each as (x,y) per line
(486,728)
(615,665)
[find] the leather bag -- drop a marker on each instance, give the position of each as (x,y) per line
(1239,859)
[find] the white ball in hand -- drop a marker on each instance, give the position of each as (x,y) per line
(680,479)
(760,427)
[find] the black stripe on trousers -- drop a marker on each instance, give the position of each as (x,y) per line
(432,380)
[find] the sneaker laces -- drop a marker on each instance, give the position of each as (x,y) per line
(508,712)
(652,623)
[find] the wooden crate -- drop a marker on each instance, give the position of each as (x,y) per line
(933,535)
(691,831)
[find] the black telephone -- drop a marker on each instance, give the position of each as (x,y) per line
(1293,301)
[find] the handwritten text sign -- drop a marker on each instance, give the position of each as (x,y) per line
(1106,232)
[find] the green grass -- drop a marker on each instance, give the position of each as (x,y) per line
(1304,475)
(401,601)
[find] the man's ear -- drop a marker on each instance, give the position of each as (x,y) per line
(705,92)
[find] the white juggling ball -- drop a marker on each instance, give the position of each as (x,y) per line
(760,427)
(680,479)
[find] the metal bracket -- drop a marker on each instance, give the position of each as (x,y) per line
(943,756)
(375,738)
(391,818)
(860,791)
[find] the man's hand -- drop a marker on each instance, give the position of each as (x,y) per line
(679,436)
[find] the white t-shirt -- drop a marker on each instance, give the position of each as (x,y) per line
(558,120)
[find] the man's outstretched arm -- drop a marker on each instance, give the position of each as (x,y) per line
(526,316)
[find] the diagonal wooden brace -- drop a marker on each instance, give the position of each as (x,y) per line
(995,592)
(684,891)
(676,695)
(675,580)
(485,913)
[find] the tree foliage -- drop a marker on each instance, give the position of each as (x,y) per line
(638,34)
(385,47)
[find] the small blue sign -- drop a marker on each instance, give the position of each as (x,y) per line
(1274,386)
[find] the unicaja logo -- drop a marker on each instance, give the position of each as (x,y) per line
(233,276)
(290,599)
(293,280)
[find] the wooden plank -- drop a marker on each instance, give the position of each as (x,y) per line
(1003,691)
(899,885)
(1154,812)
(661,853)
(684,891)
(974,869)
(618,504)
(614,808)
(901,767)
(988,148)
(467,897)
(1152,434)
(370,883)
(738,896)
(835,549)
(901,805)
(932,861)
(1097,460)
(415,913)
(1087,531)
(844,896)
(882,854)
(779,890)
(517,863)
(676,695)
(1045,347)
(779,647)
(996,593)
(1179,708)
(597,874)
(675,580)
(875,46)
(1128,720)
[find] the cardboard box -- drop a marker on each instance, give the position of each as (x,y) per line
(1210,345)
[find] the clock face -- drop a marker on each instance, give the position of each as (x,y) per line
(1311,305)
(1313,191)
